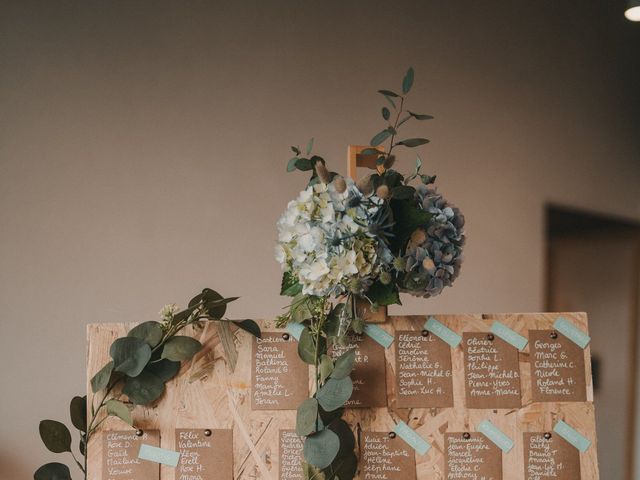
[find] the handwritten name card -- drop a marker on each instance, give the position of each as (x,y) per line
(492,372)
(385,458)
(423,371)
(557,368)
(290,456)
(550,458)
(369,382)
(204,454)
(120,455)
(280,381)
(471,456)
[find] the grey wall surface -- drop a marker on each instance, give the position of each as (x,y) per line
(143,146)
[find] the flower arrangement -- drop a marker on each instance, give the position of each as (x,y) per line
(342,242)
(141,364)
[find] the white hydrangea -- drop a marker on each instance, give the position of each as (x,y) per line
(323,241)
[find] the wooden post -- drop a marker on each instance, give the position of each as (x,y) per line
(356,159)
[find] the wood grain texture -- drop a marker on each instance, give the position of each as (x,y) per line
(206,395)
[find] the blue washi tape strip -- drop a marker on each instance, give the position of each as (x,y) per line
(572,436)
(414,440)
(496,435)
(508,335)
(158,455)
(295,329)
(445,333)
(378,334)
(566,328)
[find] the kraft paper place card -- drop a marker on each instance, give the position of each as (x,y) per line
(471,456)
(279,380)
(386,458)
(549,457)
(423,371)
(120,460)
(369,377)
(290,454)
(557,368)
(492,372)
(205,454)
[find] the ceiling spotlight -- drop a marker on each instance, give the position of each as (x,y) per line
(633,11)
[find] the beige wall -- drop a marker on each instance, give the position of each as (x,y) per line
(143,145)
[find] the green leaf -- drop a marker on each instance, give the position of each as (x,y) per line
(55,436)
(386,113)
(150,332)
(407,81)
(295,150)
(118,409)
(326,367)
(164,369)
(345,434)
(180,348)
(335,393)
(301,309)
(307,417)
(290,285)
(343,467)
(370,151)
(388,93)
(420,116)
(344,364)
(216,304)
(413,142)
(249,326)
(307,347)
(304,164)
(309,146)
(78,413)
(130,355)
(291,164)
(380,137)
(403,192)
(407,217)
(382,294)
(320,449)
(52,471)
(101,379)
(143,389)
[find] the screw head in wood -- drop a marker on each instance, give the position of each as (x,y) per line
(139,432)
(547,435)
(207,433)
(392,434)
(491,337)
(466,435)
(285,336)
(554,334)
(425,333)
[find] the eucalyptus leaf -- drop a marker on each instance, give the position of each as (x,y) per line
(307,347)
(370,151)
(309,146)
(380,137)
(130,355)
(150,332)
(55,436)
(143,389)
(164,369)
(388,93)
(335,393)
(326,367)
(407,81)
(118,409)
(386,113)
(217,307)
(249,326)
(344,364)
(420,116)
(101,379)
(295,150)
(52,471)
(82,445)
(345,434)
(320,449)
(304,164)
(307,417)
(180,348)
(78,413)
(342,468)
(413,142)
(291,164)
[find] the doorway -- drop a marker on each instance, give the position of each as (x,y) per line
(593,265)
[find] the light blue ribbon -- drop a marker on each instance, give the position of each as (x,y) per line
(158,455)
(443,332)
(508,335)
(566,328)
(410,436)
(496,435)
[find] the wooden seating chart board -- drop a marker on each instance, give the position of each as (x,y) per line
(206,395)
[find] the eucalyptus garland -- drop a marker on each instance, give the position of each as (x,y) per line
(342,242)
(141,364)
